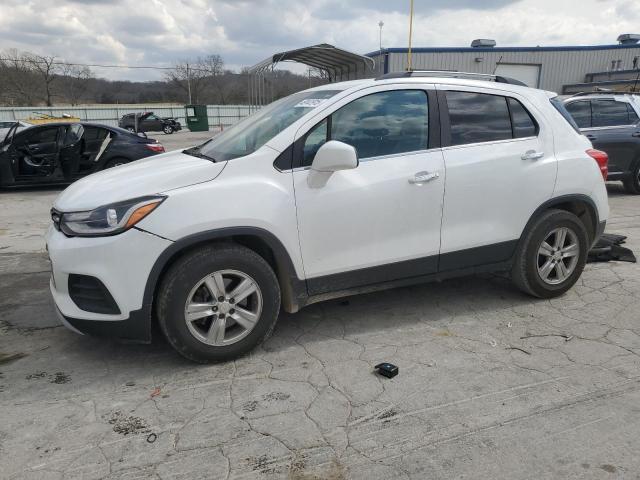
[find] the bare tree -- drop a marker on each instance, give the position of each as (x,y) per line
(194,76)
(75,82)
(47,69)
(20,83)
(213,65)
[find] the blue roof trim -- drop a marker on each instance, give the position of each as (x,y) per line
(505,49)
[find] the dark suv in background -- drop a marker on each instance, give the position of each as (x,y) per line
(612,123)
(148,122)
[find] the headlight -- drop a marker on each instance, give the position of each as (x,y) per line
(109,219)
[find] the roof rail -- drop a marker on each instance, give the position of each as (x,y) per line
(452,74)
(604,92)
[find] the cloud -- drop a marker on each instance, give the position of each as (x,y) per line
(160,32)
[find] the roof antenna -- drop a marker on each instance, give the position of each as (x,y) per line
(497,63)
(409,65)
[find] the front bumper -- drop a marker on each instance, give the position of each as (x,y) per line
(122,263)
(136,328)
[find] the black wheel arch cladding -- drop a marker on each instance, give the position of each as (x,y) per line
(263,242)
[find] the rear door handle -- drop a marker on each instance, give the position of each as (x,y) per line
(635,134)
(423,177)
(591,137)
(532,155)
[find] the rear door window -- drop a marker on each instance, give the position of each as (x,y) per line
(581,112)
(478,117)
(609,113)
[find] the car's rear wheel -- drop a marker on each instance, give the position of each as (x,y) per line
(115,162)
(131,129)
(551,255)
(167,129)
(632,183)
(218,302)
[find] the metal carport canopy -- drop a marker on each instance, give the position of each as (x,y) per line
(339,64)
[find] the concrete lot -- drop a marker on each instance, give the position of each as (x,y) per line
(473,398)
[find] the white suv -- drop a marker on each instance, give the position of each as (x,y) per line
(339,189)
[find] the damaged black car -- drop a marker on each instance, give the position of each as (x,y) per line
(149,122)
(59,153)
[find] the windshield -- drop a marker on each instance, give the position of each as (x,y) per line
(252,133)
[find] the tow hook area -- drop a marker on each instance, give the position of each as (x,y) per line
(608,248)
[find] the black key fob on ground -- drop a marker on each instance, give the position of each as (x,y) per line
(387,369)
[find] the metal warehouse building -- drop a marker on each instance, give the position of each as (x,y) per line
(549,68)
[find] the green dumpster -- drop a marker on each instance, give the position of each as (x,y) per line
(197,119)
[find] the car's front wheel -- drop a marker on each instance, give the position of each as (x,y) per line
(131,129)
(218,302)
(551,255)
(167,129)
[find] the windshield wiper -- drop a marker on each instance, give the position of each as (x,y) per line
(195,152)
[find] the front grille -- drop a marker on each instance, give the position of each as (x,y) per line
(56,216)
(90,295)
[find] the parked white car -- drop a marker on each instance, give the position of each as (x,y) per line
(343,188)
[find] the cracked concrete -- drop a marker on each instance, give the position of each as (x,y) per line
(492,384)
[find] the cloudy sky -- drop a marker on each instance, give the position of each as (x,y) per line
(158,32)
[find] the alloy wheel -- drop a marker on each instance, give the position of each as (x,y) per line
(223,307)
(558,255)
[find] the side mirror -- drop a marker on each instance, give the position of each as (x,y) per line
(334,156)
(142,134)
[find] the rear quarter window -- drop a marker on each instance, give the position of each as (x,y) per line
(522,122)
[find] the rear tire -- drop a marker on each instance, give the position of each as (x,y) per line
(131,129)
(632,184)
(201,319)
(551,255)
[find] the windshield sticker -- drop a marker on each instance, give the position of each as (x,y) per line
(309,103)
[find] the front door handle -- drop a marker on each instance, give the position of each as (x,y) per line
(532,155)
(591,137)
(635,134)
(423,177)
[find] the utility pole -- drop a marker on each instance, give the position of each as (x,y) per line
(380,24)
(189,83)
(409,67)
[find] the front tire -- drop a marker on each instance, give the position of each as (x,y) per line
(218,302)
(551,255)
(167,129)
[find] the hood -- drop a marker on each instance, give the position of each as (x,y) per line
(148,176)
